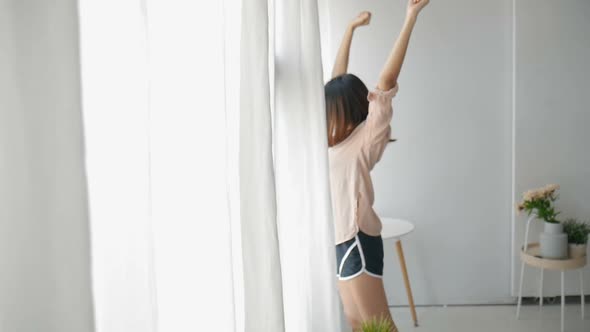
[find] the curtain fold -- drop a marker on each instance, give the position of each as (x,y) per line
(44,236)
(260,251)
(189,165)
(301,167)
(115,91)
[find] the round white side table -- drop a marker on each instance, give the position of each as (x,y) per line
(396,229)
(530,254)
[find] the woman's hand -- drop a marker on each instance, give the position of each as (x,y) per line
(362,19)
(415,6)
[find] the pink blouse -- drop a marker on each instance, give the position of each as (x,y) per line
(350,164)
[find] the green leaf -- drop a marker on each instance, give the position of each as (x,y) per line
(382,324)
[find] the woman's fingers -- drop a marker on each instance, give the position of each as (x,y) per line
(362,19)
(367,18)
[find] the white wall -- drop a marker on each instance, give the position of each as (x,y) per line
(44,250)
(552,115)
(450,171)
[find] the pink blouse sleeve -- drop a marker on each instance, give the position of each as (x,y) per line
(378,129)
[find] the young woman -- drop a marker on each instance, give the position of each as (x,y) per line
(358,131)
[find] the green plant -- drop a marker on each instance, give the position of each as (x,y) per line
(378,325)
(540,201)
(577,231)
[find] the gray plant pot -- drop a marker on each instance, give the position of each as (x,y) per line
(553,242)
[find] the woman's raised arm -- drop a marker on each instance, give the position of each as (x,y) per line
(393,65)
(341,64)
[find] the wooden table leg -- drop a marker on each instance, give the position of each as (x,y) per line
(402,262)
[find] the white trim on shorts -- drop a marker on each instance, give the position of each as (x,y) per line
(357,242)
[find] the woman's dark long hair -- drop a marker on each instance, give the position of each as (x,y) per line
(346,106)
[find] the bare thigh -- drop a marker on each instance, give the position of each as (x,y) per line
(351,311)
(369,296)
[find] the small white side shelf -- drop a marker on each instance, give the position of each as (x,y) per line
(530,255)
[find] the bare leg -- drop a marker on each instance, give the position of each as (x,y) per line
(351,311)
(369,295)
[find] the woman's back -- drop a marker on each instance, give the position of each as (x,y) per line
(351,162)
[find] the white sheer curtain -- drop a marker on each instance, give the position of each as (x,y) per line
(116,121)
(190,165)
(304,213)
(262,266)
(193,226)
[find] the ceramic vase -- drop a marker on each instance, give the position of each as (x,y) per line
(553,242)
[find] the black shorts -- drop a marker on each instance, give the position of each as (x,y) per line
(363,253)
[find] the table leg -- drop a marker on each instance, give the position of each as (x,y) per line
(582,290)
(520,290)
(562,300)
(402,262)
(541,290)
